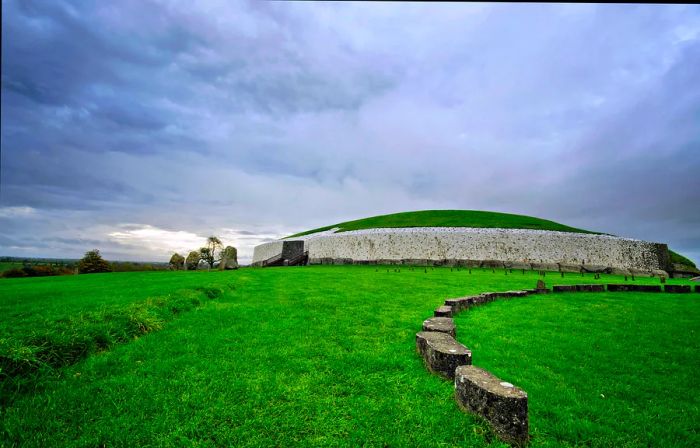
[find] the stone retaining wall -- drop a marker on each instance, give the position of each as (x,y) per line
(503,405)
(471,247)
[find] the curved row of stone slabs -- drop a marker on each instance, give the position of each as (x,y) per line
(503,405)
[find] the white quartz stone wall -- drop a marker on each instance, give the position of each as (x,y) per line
(266,250)
(458,243)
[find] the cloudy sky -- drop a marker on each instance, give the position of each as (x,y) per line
(141,127)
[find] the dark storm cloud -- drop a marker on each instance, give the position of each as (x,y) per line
(136,125)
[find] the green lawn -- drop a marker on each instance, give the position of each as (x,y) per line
(600,369)
(325,356)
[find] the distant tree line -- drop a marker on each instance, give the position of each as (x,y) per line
(91,263)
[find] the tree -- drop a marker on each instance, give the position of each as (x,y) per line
(176,262)
(193,260)
(92,263)
(208,253)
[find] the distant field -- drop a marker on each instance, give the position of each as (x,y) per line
(5,265)
(325,355)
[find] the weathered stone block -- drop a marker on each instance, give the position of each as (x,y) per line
(596,269)
(442,353)
(444,311)
(640,272)
(492,264)
(517,293)
(620,271)
(637,288)
(569,267)
(545,266)
(459,304)
(517,265)
(677,288)
(503,405)
(590,288)
(564,288)
(441,325)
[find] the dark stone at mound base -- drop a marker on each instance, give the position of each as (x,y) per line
(443,311)
(492,264)
(442,353)
(564,288)
(636,288)
(441,325)
(503,405)
(677,288)
(568,267)
(545,266)
(517,265)
(596,269)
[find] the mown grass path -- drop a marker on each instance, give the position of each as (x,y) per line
(307,356)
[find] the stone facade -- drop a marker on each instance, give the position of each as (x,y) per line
(485,247)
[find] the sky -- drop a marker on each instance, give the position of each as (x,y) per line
(142,127)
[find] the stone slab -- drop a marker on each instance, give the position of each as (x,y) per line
(502,404)
(596,269)
(460,304)
(590,288)
(442,353)
(544,266)
(677,288)
(564,288)
(636,288)
(568,267)
(443,311)
(492,264)
(441,325)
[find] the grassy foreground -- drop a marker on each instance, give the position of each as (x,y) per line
(325,356)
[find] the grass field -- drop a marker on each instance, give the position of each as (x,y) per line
(325,356)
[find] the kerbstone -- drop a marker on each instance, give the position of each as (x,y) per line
(459,304)
(444,311)
(442,353)
(636,288)
(440,324)
(502,404)
(590,288)
(677,288)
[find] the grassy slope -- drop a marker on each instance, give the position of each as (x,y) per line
(450,218)
(325,356)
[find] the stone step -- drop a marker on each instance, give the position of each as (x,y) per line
(503,405)
(441,325)
(442,353)
(443,311)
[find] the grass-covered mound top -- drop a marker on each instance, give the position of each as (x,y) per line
(449,218)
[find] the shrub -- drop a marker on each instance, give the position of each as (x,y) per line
(93,263)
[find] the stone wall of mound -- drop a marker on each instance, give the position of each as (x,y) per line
(447,245)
